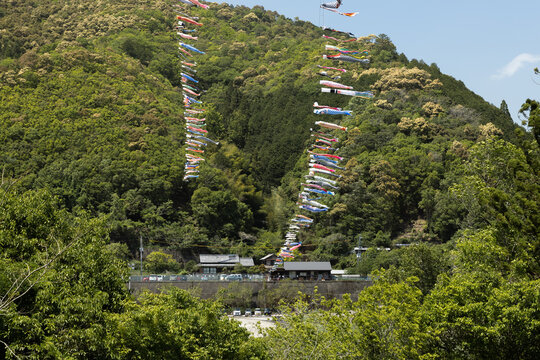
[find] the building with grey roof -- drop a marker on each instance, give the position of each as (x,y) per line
(307,266)
(304,270)
(215,263)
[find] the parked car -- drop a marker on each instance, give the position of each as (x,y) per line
(258,312)
(145,278)
(267,311)
(248,312)
(237,312)
(153,278)
(160,278)
(222,277)
(234,277)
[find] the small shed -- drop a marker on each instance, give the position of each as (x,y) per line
(269,260)
(304,270)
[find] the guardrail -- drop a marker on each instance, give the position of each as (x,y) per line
(226,277)
(351,278)
(196,277)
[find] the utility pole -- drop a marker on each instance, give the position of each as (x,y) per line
(359,253)
(141,250)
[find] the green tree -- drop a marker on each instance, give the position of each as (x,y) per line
(175,325)
(476,312)
(531,110)
(220,211)
(58,279)
(160,262)
(499,190)
(121,251)
(191,266)
(383,324)
(426,263)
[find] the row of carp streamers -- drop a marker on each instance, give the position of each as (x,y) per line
(196,134)
(324,164)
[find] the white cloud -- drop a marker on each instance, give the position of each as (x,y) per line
(517,63)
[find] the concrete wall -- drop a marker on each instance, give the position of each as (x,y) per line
(207,289)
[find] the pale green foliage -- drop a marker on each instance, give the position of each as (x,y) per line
(499,164)
(121,251)
(402,78)
(77,306)
(176,325)
(499,190)
(67,279)
(159,262)
(479,251)
(479,314)
(382,324)
(424,262)
(276,209)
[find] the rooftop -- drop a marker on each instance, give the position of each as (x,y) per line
(227,260)
(218,258)
(307,266)
(247,262)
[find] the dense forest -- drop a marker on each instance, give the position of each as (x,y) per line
(92,159)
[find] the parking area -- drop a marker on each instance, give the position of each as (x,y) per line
(252,323)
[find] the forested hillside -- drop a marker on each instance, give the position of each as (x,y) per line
(92,158)
(91,111)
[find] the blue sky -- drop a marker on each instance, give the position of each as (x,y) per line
(492,46)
